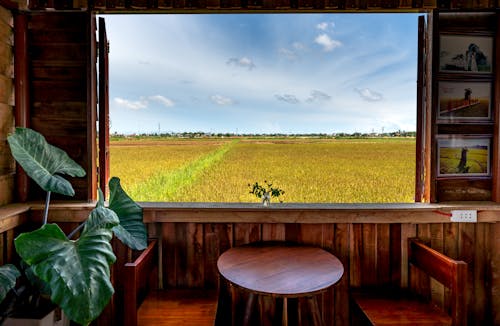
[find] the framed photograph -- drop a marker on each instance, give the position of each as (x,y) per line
(466,54)
(461,156)
(464,101)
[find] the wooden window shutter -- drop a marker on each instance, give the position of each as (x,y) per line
(103,108)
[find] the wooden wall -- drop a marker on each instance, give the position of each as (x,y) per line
(62,108)
(456,187)
(7,164)
(62,105)
(372,254)
(259,5)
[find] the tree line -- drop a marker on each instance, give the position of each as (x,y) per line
(201,134)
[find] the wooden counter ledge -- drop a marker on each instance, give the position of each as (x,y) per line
(488,212)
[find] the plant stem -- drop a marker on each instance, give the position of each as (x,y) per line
(75,230)
(46,210)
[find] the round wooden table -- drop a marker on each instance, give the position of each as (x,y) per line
(280,270)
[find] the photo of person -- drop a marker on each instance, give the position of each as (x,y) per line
(464,157)
(464,101)
(459,53)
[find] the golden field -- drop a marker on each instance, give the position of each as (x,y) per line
(309,170)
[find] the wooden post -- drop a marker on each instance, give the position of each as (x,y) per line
(92,110)
(495,166)
(103,109)
(22,94)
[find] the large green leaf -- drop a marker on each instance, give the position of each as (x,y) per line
(43,162)
(131,230)
(77,272)
(8,275)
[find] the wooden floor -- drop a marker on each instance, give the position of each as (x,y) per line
(178,307)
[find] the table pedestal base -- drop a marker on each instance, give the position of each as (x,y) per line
(239,307)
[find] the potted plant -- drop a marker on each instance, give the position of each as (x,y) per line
(265,192)
(75,271)
(8,276)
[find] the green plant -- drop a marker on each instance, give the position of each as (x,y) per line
(8,275)
(265,192)
(77,272)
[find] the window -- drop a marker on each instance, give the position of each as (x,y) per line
(320,105)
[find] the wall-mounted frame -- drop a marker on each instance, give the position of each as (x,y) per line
(464,101)
(471,54)
(464,156)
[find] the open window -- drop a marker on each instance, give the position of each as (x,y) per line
(437,135)
(299,143)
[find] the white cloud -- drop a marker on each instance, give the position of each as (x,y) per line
(221,100)
(327,43)
(288,98)
(163,100)
(369,95)
(132,105)
(143,102)
(298,46)
(293,53)
(324,25)
(243,62)
(318,96)
(289,54)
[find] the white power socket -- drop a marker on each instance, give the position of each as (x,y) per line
(469,216)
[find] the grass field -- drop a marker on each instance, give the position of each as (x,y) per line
(307,169)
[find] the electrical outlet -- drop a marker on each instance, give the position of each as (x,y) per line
(464,216)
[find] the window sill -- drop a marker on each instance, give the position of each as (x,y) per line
(488,212)
(314,213)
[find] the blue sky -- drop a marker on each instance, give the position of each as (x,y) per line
(266,73)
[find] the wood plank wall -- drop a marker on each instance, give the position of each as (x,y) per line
(372,254)
(259,5)
(58,68)
(466,188)
(7,164)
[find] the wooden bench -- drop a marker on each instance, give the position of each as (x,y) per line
(381,306)
(137,276)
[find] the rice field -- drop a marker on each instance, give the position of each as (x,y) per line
(308,170)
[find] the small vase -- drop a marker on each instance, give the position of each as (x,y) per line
(266,199)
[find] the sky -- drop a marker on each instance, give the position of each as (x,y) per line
(262,73)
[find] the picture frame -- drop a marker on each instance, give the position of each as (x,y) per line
(464,156)
(464,101)
(470,54)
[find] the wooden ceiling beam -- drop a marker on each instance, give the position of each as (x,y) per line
(251,6)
